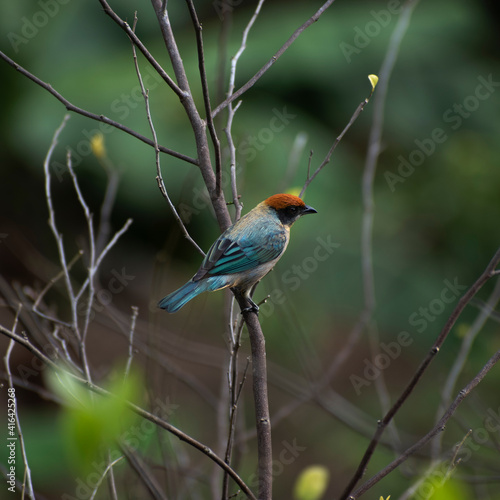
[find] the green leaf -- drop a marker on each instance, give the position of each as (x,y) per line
(92,423)
(311,483)
(373,80)
(450,490)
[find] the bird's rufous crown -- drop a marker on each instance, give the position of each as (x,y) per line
(280,201)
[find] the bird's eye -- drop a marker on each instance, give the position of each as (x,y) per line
(292,209)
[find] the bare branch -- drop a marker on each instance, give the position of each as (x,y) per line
(92,256)
(48,286)
(488,273)
(135,313)
(232,110)
(273,59)
(27,471)
(136,409)
(234,391)
(159,177)
(55,231)
(439,427)
(232,161)
(100,118)
(145,52)
(143,472)
(322,165)
(462,356)
(197,124)
(206,96)
(109,469)
(259,376)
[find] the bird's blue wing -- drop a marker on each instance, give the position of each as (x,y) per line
(227,256)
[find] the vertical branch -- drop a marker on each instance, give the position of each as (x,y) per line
(73,299)
(135,313)
(197,124)
(232,161)
(260,392)
(232,109)
(91,269)
(234,391)
(206,96)
(55,231)
(274,58)
(27,470)
(159,177)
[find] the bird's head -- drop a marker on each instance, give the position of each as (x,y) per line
(288,207)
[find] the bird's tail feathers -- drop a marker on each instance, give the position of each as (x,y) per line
(174,301)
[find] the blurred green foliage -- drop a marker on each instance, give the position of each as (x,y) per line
(438,223)
(91,423)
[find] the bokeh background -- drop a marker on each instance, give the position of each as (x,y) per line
(438,222)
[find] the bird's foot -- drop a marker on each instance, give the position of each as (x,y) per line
(252,308)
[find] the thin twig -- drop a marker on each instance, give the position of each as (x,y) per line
(273,59)
(103,254)
(232,160)
(55,231)
(92,256)
(159,177)
(135,313)
(206,96)
(100,118)
(234,391)
(439,427)
(198,125)
(382,424)
(113,493)
(48,286)
(137,43)
(108,468)
(232,110)
(326,160)
(143,472)
(461,359)
(374,148)
(27,471)
(136,409)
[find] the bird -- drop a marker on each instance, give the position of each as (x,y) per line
(245,252)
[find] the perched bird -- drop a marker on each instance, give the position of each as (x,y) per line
(245,252)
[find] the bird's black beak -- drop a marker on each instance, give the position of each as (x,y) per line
(309,210)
